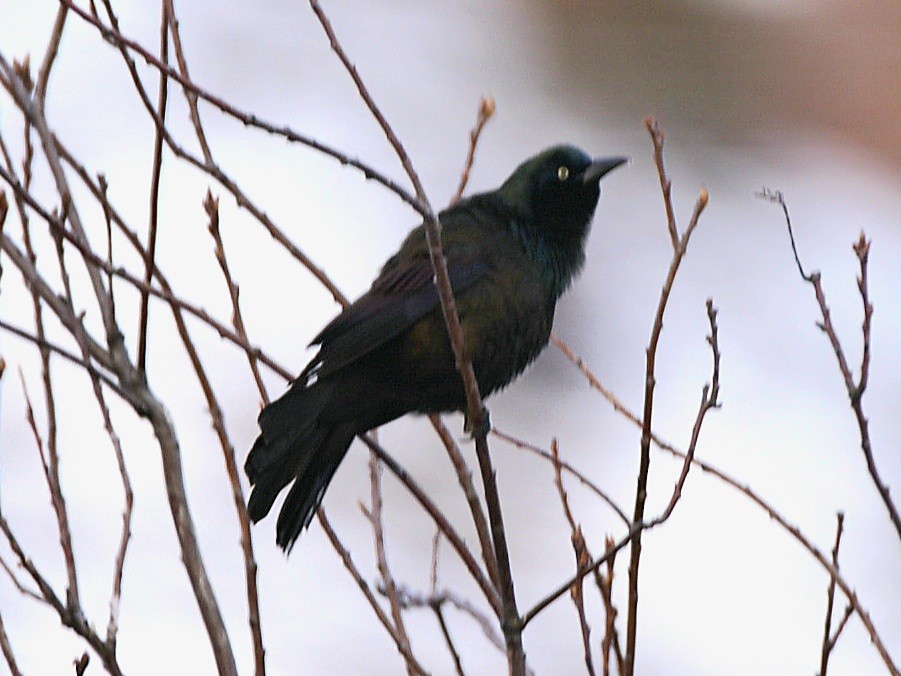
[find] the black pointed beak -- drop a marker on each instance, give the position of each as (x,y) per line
(598,168)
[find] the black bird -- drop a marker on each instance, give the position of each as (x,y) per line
(511,253)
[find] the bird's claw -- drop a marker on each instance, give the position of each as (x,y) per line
(483,427)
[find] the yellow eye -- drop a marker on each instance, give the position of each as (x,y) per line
(563,172)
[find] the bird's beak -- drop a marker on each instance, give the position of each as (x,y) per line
(598,168)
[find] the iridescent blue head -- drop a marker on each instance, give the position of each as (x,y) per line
(553,197)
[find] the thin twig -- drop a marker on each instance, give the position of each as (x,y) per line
(709,400)
(155,176)
(486,111)
(792,530)
(666,186)
(849,611)
(412,599)
(854,389)
(448,639)
(50,465)
(583,557)
(611,636)
(211,206)
(464,477)
(190,96)
(367,592)
(440,520)
(476,412)
(7,649)
(381,557)
(250,566)
(541,453)
(827,646)
(680,245)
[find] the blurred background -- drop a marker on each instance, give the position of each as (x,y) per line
(799,96)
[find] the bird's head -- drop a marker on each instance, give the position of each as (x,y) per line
(552,198)
(557,190)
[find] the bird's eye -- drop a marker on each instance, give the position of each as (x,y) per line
(562,172)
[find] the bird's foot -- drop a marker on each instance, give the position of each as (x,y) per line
(479,427)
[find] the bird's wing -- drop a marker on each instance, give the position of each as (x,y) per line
(402,294)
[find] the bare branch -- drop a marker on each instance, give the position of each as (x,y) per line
(155,174)
(476,413)
(211,206)
(440,520)
(828,644)
(367,592)
(680,245)
(381,557)
(7,649)
(541,453)
(486,111)
(854,389)
(582,558)
(666,186)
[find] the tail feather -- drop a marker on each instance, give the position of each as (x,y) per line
(272,466)
(305,495)
(295,444)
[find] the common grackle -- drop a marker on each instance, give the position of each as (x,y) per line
(511,253)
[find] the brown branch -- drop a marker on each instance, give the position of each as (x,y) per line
(486,111)
(56,35)
(190,96)
(464,477)
(854,389)
(440,520)
(849,611)
(666,186)
(680,245)
(367,592)
(381,558)
(250,566)
(155,175)
(248,119)
(436,608)
(476,413)
(211,206)
(583,557)
(541,453)
(827,646)
(7,649)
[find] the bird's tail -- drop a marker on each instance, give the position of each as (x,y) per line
(295,444)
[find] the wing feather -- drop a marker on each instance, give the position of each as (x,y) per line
(404,293)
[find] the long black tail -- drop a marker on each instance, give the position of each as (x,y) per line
(295,444)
